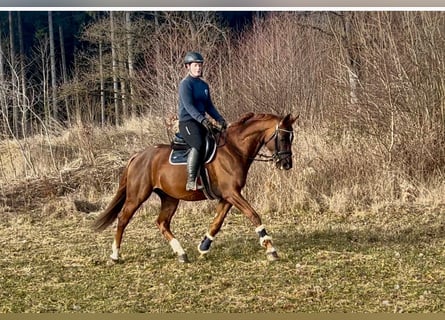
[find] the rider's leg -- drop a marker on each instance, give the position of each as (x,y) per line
(194,134)
(193,163)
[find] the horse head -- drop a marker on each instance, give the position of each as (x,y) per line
(280,142)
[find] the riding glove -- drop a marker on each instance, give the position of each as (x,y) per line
(207,124)
(223,124)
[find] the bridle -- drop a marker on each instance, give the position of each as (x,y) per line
(277,155)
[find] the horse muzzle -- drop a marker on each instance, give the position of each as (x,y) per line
(286,166)
(284,161)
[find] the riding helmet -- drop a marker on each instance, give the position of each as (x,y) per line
(193,56)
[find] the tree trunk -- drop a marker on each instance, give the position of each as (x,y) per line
(14,79)
(130,61)
(22,78)
(193,29)
(157,57)
(114,64)
(45,80)
(2,63)
(102,85)
(78,112)
(122,75)
(4,106)
(53,67)
(352,58)
(64,74)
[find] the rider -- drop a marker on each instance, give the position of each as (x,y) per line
(194,104)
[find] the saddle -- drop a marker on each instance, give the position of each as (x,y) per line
(179,153)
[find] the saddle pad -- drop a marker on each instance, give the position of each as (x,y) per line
(179,157)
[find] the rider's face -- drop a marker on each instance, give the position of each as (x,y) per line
(195,69)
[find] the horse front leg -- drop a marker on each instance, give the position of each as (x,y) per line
(222,209)
(265,240)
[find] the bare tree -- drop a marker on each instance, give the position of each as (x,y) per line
(115,67)
(129,35)
(14,78)
(4,106)
(53,67)
(352,54)
(42,53)
(64,72)
(2,61)
(102,84)
(122,54)
(23,98)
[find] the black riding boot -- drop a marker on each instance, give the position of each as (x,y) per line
(192,169)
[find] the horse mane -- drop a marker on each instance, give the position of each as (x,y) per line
(250,116)
(243,118)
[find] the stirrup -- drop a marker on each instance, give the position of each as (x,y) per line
(190,186)
(193,186)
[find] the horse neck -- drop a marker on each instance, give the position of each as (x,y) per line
(248,140)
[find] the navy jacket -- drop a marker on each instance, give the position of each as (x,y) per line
(195,100)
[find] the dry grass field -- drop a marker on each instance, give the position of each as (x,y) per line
(53,262)
(389,257)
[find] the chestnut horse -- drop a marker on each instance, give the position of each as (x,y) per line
(150,170)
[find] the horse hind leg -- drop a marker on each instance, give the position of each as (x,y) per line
(131,205)
(168,209)
(124,218)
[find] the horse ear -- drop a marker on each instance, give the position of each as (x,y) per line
(290,119)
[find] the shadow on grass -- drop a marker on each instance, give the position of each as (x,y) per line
(340,240)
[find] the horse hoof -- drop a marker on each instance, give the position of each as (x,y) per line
(202,252)
(183,258)
(202,257)
(272,256)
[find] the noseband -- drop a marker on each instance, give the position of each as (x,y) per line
(277,155)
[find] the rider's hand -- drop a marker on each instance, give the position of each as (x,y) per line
(223,124)
(207,124)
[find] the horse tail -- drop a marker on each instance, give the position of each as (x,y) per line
(110,214)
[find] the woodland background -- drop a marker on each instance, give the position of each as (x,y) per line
(369,87)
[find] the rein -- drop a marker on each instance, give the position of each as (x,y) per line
(217,133)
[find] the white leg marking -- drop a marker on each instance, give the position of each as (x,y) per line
(209,236)
(115,254)
(176,246)
(260,228)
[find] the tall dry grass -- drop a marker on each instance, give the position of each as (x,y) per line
(329,175)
